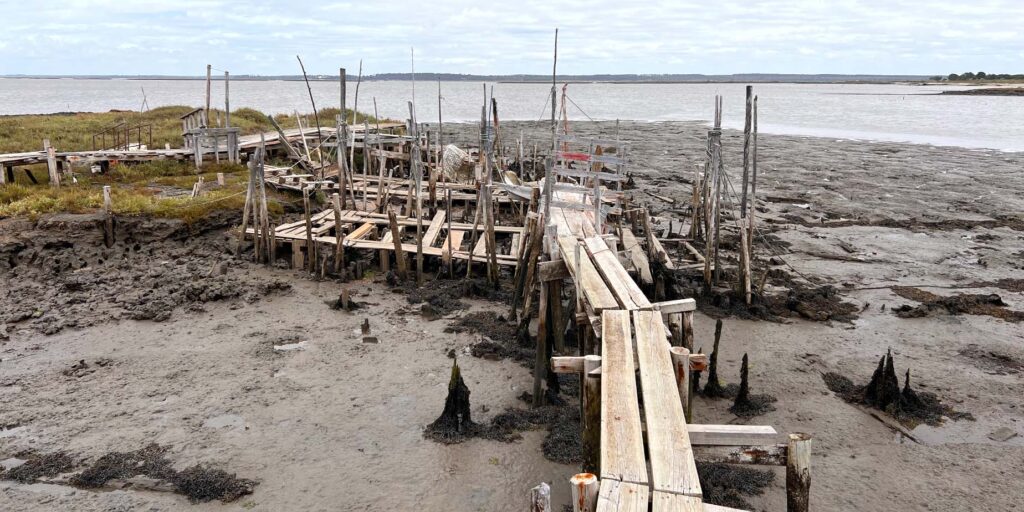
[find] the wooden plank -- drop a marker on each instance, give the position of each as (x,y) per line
(669,307)
(636,253)
(668,502)
(629,295)
(761,455)
(360,233)
(594,288)
(719,508)
(456,240)
(731,435)
(668,440)
(434,229)
(622,444)
(481,247)
(616,496)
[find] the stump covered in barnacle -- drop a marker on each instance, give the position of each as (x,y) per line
(455,423)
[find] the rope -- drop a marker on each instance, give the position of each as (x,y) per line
(578,107)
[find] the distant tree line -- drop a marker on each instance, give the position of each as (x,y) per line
(980,75)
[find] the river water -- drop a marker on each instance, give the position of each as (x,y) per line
(885,112)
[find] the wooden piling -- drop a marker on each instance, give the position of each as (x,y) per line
(51,163)
(746,150)
(396,237)
(206,113)
(540,498)
(541,361)
(585,487)
(310,248)
(591,414)
(339,246)
(108,217)
(247,208)
(681,365)
(798,473)
(557,319)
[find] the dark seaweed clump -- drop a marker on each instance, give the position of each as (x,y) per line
(726,485)
(39,466)
(908,406)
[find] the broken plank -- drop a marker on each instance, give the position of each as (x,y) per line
(626,291)
(637,256)
(434,229)
(594,288)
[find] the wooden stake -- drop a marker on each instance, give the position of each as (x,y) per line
(396,237)
(798,473)
(681,364)
(209,69)
(310,248)
(540,498)
(51,163)
(591,414)
(746,150)
(541,361)
(339,247)
(585,487)
(108,217)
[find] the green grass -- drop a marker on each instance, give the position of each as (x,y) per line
(149,188)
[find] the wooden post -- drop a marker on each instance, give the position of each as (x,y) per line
(209,69)
(540,366)
(339,248)
(108,217)
(591,416)
(247,208)
(220,179)
(310,248)
(8,174)
(688,330)
(51,163)
(540,498)
(448,218)
(584,492)
(744,261)
(396,237)
(557,319)
(798,473)
(681,365)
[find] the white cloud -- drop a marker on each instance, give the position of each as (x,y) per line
(463,36)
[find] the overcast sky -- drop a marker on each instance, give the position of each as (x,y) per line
(179,37)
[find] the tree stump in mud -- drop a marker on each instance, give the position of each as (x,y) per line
(713,389)
(884,388)
(455,421)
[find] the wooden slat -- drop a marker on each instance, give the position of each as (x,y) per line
(456,238)
(481,246)
(616,496)
(622,444)
(668,502)
(434,229)
(360,233)
(668,440)
(636,254)
(731,435)
(629,295)
(719,508)
(594,288)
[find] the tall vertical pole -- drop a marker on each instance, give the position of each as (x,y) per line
(549,178)
(227,101)
(746,150)
(209,70)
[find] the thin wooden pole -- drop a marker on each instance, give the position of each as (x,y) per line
(681,364)
(355,110)
(316,117)
(746,149)
(310,248)
(448,217)
(227,101)
(209,70)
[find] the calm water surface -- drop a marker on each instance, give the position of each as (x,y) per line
(901,113)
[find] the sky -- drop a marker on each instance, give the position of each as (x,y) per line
(179,37)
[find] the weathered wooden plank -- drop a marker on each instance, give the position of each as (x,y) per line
(636,254)
(731,435)
(616,496)
(675,306)
(668,502)
(622,445)
(594,288)
(434,229)
(719,508)
(629,295)
(668,441)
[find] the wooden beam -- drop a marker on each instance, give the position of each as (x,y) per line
(764,455)
(622,445)
(731,435)
(668,441)
(669,307)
